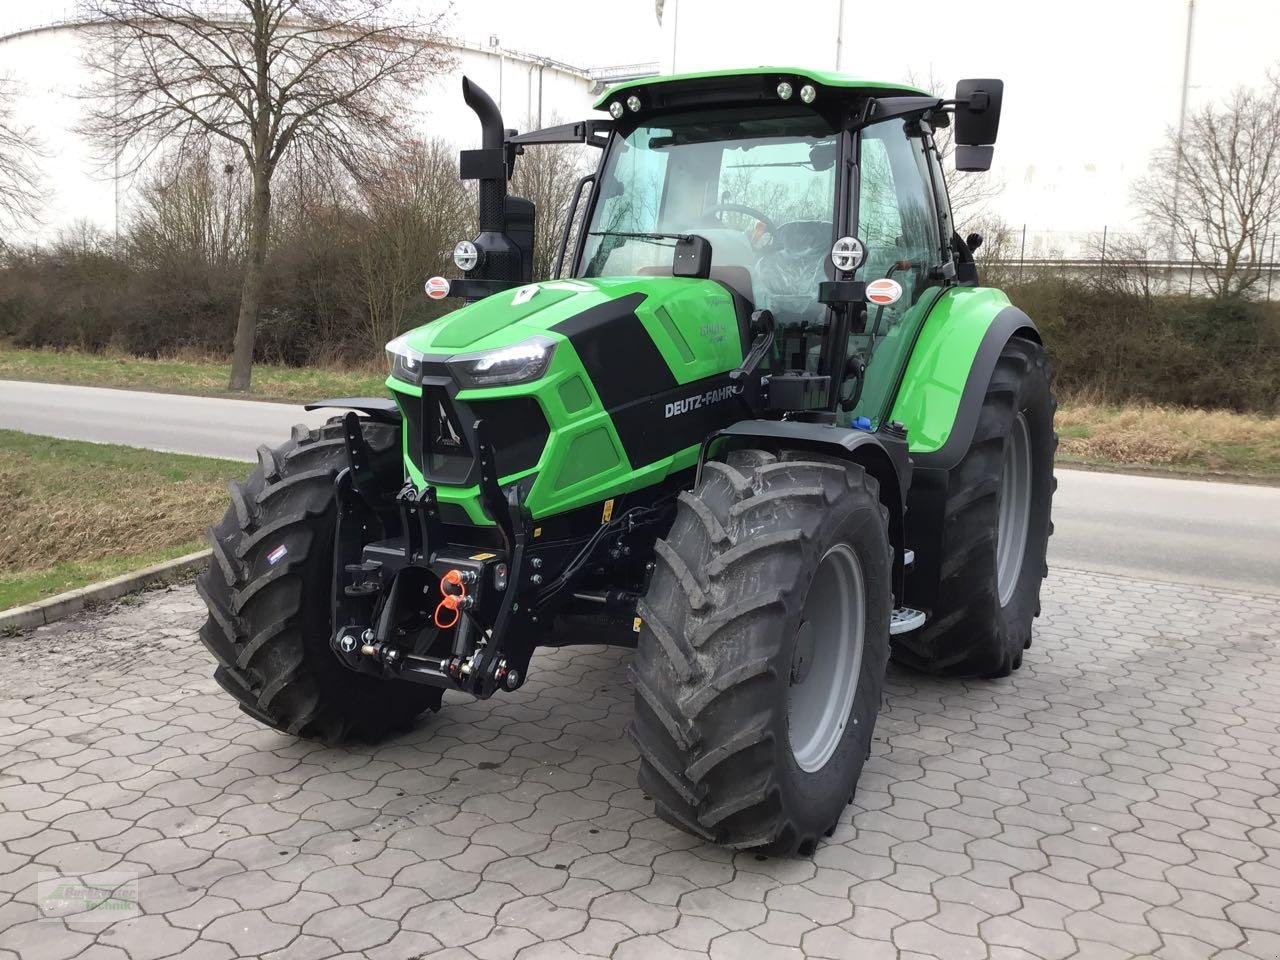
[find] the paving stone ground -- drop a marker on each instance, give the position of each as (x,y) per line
(1116,798)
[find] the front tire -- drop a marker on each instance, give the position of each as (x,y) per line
(752,720)
(268,592)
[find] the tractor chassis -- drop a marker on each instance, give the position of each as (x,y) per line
(386,587)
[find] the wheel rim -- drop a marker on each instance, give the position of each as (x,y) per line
(827,659)
(1015,509)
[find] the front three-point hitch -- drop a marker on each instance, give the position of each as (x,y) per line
(414,603)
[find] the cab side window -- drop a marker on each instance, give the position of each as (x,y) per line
(897,214)
(897,221)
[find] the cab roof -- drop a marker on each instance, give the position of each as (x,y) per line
(745,84)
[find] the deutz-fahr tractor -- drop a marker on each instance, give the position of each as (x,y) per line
(763,425)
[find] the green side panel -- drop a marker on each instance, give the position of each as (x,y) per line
(574,395)
(933,383)
(819,77)
(588,455)
(673,332)
(695,328)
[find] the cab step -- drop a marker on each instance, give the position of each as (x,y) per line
(906,619)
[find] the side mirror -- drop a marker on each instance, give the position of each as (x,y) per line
(977,122)
(973,241)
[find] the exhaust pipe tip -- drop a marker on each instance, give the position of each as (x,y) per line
(492,132)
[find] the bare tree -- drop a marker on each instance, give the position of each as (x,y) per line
(326,80)
(547,175)
(194,208)
(416,209)
(20,187)
(1214,192)
(1127,265)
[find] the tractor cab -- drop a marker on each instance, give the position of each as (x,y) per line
(815,199)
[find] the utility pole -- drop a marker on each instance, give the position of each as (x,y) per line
(675,33)
(840,36)
(1182,119)
(495,45)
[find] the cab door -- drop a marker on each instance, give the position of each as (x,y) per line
(897,217)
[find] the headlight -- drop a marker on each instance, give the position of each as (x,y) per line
(519,363)
(847,254)
(465,255)
(404,361)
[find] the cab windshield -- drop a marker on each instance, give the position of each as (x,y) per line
(759,187)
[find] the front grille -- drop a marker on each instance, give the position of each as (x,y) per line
(441,440)
(517,430)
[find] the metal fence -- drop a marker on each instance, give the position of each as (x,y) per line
(1024,252)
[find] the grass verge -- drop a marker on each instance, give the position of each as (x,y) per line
(204,377)
(74,513)
(1142,437)
(1194,443)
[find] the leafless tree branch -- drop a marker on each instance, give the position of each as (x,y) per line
(21,193)
(1215,195)
(327,81)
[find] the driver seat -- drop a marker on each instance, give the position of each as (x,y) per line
(737,279)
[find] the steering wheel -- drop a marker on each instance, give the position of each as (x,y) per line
(713,212)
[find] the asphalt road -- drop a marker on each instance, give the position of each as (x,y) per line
(1219,534)
(211,427)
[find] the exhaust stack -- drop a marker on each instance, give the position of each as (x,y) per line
(505,242)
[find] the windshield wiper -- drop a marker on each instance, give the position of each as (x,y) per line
(654,237)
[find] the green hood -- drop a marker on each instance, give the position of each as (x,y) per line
(536,308)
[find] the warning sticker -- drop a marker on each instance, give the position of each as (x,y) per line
(484,556)
(608,512)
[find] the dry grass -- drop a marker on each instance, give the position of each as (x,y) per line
(1173,438)
(190,373)
(70,509)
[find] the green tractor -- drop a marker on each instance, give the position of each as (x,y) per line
(764,425)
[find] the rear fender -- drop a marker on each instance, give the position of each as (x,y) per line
(883,455)
(950,368)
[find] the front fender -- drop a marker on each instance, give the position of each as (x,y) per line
(383,409)
(950,368)
(882,454)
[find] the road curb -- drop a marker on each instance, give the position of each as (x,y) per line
(64,604)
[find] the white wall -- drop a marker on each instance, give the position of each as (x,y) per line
(48,65)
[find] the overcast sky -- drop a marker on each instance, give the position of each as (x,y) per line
(1091,85)
(574,31)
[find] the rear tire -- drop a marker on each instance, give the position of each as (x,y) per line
(269,611)
(731,748)
(982,620)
